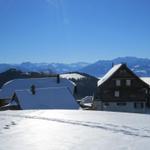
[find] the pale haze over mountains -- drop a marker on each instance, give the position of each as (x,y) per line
(141,66)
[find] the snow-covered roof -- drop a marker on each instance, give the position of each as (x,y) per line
(146,79)
(87,99)
(75,76)
(109,74)
(47,98)
(21,84)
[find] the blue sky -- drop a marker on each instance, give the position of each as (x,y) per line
(73,30)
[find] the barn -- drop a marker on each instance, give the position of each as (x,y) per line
(39,93)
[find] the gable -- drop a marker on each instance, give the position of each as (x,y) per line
(122,72)
(108,74)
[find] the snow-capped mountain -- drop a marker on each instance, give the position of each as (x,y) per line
(44,67)
(61,68)
(140,66)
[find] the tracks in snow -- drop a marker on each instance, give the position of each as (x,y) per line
(126,130)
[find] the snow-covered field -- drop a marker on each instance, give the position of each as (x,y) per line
(73,130)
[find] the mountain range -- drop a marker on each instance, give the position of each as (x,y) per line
(140,66)
(44,67)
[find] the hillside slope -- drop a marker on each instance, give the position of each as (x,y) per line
(16,74)
(86,84)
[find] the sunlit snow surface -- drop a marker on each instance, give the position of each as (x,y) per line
(75,76)
(73,130)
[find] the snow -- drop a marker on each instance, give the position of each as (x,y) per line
(136,66)
(73,130)
(146,79)
(19,84)
(109,74)
(47,98)
(140,71)
(75,76)
(87,101)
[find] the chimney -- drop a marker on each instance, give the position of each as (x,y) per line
(124,63)
(58,78)
(75,90)
(33,89)
(112,64)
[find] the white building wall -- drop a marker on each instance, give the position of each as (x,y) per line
(97,105)
(112,106)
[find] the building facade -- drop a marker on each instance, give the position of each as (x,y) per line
(121,90)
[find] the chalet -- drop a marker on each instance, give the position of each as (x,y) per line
(44,98)
(39,93)
(121,90)
(9,88)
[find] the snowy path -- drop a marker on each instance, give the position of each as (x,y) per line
(68,129)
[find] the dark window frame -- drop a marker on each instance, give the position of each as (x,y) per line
(121,103)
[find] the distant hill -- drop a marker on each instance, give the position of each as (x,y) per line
(86,84)
(16,74)
(140,66)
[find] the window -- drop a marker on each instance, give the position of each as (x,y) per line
(117,94)
(106,104)
(146,91)
(128,82)
(118,82)
(134,105)
(121,104)
(142,105)
(138,105)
